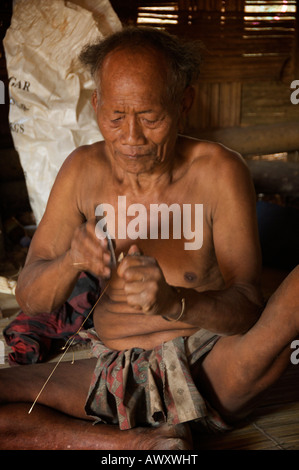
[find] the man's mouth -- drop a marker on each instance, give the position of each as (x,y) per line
(134,156)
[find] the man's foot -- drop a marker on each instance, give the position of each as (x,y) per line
(164,437)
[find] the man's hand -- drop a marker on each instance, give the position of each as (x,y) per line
(89,253)
(144,284)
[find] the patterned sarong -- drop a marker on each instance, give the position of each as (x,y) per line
(138,387)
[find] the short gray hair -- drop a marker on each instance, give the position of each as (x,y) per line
(184,58)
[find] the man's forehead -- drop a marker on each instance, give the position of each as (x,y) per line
(139,60)
(129,74)
(139,52)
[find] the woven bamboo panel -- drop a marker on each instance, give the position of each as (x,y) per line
(244,40)
(279,430)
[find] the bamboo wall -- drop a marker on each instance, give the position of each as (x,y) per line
(249,61)
(243,94)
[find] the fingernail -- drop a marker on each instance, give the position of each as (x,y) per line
(107,272)
(104,242)
(107,258)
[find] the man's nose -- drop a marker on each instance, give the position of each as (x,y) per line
(133,132)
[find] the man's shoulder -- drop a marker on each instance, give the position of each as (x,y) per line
(212,152)
(213,156)
(86,158)
(86,154)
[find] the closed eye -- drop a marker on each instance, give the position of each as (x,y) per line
(151,122)
(116,121)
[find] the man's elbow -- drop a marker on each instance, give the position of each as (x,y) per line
(21,300)
(254,313)
(25,301)
(253,304)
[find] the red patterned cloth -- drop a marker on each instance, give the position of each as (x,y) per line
(138,387)
(34,338)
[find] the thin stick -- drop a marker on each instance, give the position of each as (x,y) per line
(67,346)
(41,390)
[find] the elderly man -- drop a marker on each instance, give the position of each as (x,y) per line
(177,334)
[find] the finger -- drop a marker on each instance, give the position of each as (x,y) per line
(136,274)
(142,294)
(135,262)
(121,307)
(88,256)
(96,234)
(134,287)
(127,262)
(140,301)
(134,250)
(133,258)
(95,255)
(86,238)
(118,296)
(143,273)
(95,243)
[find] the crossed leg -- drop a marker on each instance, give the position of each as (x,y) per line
(232,376)
(240,368)
(58,421)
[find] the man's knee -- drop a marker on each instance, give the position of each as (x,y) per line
(227,375)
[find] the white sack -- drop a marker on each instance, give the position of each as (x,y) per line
(50,110)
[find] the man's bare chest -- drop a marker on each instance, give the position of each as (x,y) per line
(174,228)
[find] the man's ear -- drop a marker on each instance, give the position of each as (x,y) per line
(187,100)
(94,100)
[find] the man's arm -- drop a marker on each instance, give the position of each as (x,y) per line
(63,246)
(235,308)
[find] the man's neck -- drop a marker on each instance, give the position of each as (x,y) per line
(147,182)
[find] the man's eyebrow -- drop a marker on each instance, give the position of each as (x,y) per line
(146,111)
